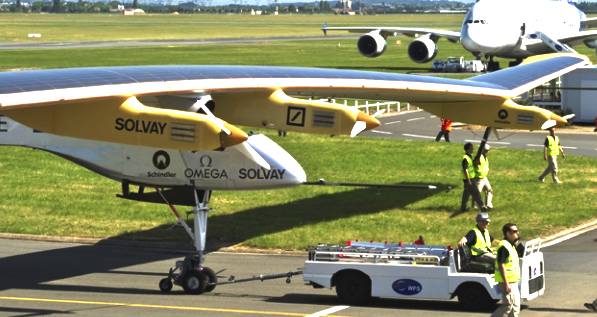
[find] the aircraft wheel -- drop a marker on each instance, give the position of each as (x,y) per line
(493,66)
(212,279)
(194,282)
(165,285)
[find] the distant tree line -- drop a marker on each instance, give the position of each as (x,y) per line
(323,6)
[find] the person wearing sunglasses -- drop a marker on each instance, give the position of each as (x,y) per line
(507,272)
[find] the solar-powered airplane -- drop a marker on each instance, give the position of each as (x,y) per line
(172,127)
(506,28)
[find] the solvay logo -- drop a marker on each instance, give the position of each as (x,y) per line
(161,160)
(407,287)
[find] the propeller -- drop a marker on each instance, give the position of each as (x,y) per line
(569,116)
(548,124)
(249,152)
(365,122)
(244,148)
(200,104)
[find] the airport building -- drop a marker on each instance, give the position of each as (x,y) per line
(575,92)
(579,94)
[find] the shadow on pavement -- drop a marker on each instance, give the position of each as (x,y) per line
(33,270)
(331,300)
(30,312)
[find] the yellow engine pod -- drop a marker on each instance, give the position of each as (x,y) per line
(274,109)
(499,114)
(127,121)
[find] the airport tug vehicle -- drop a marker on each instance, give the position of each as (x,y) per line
(360,271)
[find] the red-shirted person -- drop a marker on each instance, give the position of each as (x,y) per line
(444,130)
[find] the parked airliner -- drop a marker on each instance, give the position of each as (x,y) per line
(505,28)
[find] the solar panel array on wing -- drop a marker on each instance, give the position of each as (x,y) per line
(514,77)
(38,80)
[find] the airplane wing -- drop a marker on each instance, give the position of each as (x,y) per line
(453,36)
(589,23)
(580,37)
(106,103)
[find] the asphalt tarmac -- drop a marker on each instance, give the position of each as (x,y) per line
(174,42)
(62,279)
(421,125)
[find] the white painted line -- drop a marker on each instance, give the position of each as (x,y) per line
(381,132)
(419,136)
(589,227)
(535,145)
(392,122)
(490,142)
(328,311)
(431,117)
(570,147)
(417,118)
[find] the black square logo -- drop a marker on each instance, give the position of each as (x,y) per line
(296,116)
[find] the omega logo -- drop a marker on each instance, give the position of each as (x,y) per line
(205,161)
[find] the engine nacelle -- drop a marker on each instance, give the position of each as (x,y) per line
(372,44)
(422,50)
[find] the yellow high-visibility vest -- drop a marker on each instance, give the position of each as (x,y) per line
(471,167)
(482,244)
(553,145)
(512,266)
(482,170)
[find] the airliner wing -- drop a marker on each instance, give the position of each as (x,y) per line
(453,36)
(130,104)
(589,23)
(580,37)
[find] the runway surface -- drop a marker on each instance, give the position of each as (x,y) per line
(43,278)
(421,125)
(174,42)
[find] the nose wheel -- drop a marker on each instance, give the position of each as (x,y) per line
(190,274)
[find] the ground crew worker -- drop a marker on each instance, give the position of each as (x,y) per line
(507,273)
(479,240)
(481,179)
(468,171)
(445,129)
(551,150)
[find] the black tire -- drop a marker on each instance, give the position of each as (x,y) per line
(353,288)
(194,282)
(493,66)
(473,296)
(165,285)
(212,279)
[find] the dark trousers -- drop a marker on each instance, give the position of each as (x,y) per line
(445,134)
(470,190)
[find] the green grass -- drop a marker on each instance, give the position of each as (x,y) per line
(86,27)
(42,194)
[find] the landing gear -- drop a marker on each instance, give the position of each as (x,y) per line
(492,65)
(190,273)
(514,63)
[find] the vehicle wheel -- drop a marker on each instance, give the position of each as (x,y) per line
(165,285)
(353,288)
(212,279)
(473,296)
(194,282)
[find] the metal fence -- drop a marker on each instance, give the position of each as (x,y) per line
(373,107)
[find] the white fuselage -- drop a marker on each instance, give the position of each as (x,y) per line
(501,27)
(228,169)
